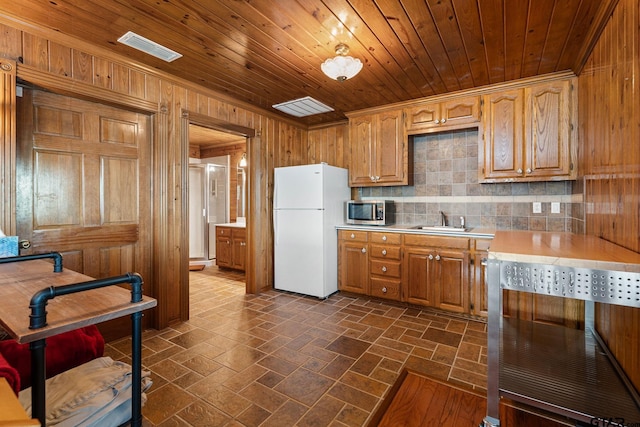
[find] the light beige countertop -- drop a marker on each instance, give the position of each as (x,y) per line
(474,233)
(233,224)
(567,249)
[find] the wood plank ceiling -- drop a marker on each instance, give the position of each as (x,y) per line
(265,52)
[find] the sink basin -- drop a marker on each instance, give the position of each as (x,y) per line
(441,228)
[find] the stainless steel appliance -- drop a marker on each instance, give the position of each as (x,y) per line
(564,371)
(370,212)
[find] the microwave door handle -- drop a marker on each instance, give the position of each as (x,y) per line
(374,215)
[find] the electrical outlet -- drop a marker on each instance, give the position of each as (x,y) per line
(555,207)
(537,207)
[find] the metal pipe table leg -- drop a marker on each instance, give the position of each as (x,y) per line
(38,376)
(136,369)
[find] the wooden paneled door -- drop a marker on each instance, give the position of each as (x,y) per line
(84,185)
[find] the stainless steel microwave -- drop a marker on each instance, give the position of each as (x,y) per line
(370,212)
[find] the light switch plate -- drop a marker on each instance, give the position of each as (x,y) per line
(537,207)
(555,207)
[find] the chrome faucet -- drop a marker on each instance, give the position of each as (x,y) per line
(443,219)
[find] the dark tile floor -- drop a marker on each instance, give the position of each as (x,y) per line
(281,359)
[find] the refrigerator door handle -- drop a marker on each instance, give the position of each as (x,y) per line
(275,226)
(275,194)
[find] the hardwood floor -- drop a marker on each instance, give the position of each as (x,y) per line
(419,401)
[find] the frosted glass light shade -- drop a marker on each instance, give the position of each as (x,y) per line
(341,67)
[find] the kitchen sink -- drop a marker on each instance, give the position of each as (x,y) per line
(441,228)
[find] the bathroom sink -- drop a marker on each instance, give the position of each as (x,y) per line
(441,228)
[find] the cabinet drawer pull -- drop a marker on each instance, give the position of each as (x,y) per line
(353,236)
(384,238)
(384,252)
(384,269)
(384,290)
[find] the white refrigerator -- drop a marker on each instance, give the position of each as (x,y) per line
(308,203)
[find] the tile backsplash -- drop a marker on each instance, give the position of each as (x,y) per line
(445,169)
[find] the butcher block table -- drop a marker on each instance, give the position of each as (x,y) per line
(20,281)
(565,371)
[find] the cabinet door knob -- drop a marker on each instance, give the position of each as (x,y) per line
(373,178)
(443,120)
(529,170)
(519,170)
(437,121)
(437,257)
(243,244)
(364,250)
(384,269)
(384,290)
(353,236)
(430,256)
(384,252)
(384,238)
(377,178)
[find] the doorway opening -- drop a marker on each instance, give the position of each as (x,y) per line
(217,190)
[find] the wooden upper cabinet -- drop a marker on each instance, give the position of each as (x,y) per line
(361,133)
(528,134)
(446,115)
(503,136)
(548,129)
(379,154)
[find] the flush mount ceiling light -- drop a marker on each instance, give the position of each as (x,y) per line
(145,45)
(341,67)
(303,107)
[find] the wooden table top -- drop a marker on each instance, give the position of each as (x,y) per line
(19,281)
(556,248)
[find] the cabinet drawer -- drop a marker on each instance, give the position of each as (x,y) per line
(353,235)
(240,233)
(389,238)
(223,231)
(385,252)
(382,288)
(384,268)
(436,241)
(483,244)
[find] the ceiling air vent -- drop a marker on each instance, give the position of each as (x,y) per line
(303,107)
(145,45)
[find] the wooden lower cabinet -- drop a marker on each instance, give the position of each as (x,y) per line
(385,265)
(437,272)
(231,247)
(353,261)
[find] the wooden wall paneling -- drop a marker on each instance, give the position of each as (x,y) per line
(10,41)
(8,145)
(59,67)
(328,144)
(610,161)
(260,149)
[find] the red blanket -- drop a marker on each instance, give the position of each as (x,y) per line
(63,352)
(10,374)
